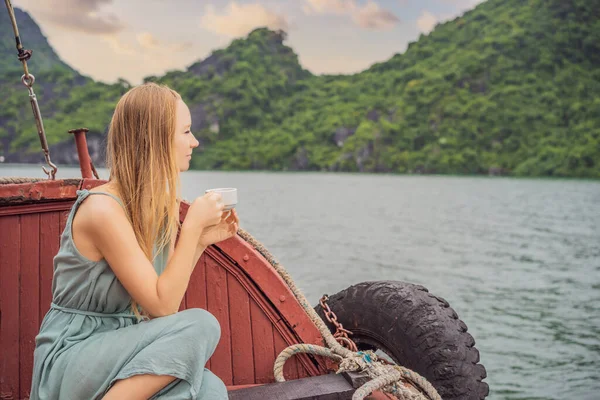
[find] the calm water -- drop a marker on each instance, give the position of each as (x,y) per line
(519,260)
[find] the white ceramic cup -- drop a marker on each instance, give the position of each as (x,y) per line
(229,196)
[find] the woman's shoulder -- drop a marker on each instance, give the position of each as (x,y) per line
(101,206)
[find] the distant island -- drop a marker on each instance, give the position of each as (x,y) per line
(511,87)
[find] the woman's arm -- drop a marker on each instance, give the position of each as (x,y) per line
(112,234)
(199,249)
(173,282)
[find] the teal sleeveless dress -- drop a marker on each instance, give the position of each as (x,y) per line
(90,338)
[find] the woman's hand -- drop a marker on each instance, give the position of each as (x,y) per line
(205,211)
(226,228)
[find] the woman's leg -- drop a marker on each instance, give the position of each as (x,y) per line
(138,387)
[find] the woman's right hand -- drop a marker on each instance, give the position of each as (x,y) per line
(205,211)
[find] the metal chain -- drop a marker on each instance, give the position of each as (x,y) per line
(28,80)
(341,334)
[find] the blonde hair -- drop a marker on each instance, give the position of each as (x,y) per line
(141,157)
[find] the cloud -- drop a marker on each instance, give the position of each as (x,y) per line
(426,21)
(79,15)
(371,16)
(118,46)
(182,46)
(240,19)
(368,16)
(330,6)
(147,40)
(143,44)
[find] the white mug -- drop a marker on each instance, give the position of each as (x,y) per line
(229,196)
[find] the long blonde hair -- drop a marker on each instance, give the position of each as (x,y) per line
(141,157)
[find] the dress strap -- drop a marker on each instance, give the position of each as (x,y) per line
(81,196)
(91,313)
(107,194)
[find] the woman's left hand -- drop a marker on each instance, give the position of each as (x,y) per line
(224,230)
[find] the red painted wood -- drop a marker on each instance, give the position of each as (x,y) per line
(241,332)
(195,296)
(46,190)
(49,243)
(290,369)
(183,305)
(85,162)
(218,305)
(10,265)
(63,216)
(273,287)
(279,329)
(262,338)
(36,208)
(266,307)
(308,367)
(202,263)
(91,183)
(29,297)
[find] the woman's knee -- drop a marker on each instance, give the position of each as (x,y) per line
(202,320)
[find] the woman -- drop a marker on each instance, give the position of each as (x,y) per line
(114,330)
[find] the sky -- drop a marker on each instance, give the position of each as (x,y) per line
(132,39)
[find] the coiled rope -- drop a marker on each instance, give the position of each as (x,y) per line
(8,180)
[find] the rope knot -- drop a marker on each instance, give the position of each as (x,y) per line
(359,361)
(24,55)
(367,356)
(384,377)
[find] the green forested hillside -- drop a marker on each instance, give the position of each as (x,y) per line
(511,87)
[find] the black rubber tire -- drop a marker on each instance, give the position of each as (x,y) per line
(418,330)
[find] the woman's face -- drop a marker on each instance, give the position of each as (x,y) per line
(185,141)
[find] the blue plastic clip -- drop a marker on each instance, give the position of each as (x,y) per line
(365,356)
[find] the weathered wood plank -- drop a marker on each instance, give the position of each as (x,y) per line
(195,296)
(262,340)
(183,305)
(46,190)
(49,243)
(323,387)
(196,292)
(29,298)
(35,208)
(10,265)
(241,333)
(218,305)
